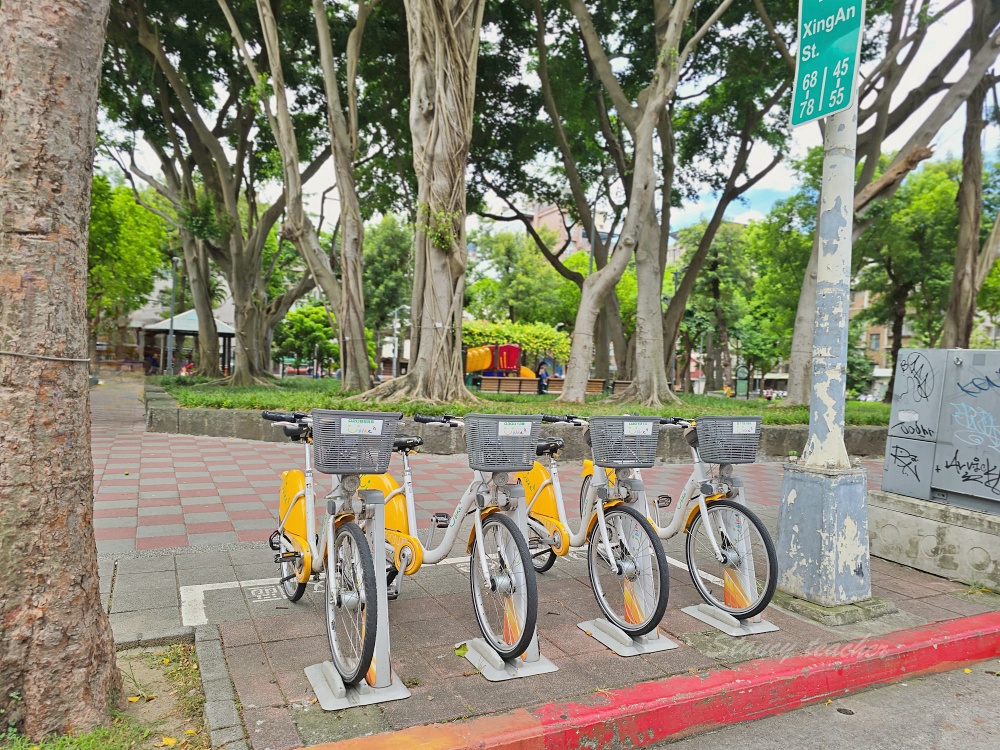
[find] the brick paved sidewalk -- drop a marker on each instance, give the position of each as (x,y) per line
(180,527)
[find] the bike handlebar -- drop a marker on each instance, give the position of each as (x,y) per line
(447,419)
(281,416)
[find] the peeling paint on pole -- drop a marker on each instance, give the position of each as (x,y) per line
(825,448)
(822,542)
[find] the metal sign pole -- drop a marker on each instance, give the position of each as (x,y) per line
(822,544)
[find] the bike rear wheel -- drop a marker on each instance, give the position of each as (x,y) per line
(542,556)
(744,584)
(290,587)
(632,594)
(507,606)
(351,608)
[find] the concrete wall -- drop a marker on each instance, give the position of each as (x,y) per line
(163,415)
(948,541)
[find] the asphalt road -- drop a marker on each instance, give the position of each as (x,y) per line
(941,712)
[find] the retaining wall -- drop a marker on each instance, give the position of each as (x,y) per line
(777,441)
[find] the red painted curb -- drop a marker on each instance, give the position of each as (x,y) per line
(686,704)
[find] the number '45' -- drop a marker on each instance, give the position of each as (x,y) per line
(843,67)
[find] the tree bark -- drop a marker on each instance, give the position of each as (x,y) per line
(57,659)
(898,318)
(649,382)
(444,47)
(196,264)
(960,316)
(800,358)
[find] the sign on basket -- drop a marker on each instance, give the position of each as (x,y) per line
(637,428)
(744,428)
(352,426)
(514,429)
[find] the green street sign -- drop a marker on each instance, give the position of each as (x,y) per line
(827,59)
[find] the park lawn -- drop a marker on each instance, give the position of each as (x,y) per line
(303,394)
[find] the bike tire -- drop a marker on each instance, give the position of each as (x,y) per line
(351,602)
(511,636)
(292,589)
(706,587)
(645,555)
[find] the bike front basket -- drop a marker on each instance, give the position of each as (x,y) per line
(624,442)
(501,442)
(728,440)
(353,442)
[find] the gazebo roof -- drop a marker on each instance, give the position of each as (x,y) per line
(186,323)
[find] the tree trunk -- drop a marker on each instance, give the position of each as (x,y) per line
(899,316)
(196,265)
(57,658)
(961,313)
(444,47)
(649,384)
(602,346)
(800,359)
(248,322)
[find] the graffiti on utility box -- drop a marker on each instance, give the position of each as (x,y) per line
(944,433)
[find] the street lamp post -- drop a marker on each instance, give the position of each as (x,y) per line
(395,339)
(173,298)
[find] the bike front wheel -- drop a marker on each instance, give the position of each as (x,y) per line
(504,597)
(743,583)
(632,592)
(351,608)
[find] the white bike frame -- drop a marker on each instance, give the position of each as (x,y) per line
(317,543)
(479,483)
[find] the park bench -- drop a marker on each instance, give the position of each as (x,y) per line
(595,386)
(495,384)
(617,386)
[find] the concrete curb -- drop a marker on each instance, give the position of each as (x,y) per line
(222,716)
(687,704)
(181,634)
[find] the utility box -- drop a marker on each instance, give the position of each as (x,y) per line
(944,431)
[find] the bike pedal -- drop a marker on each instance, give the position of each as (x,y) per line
(274,541)
(663,501)
(440,520)
(287,557)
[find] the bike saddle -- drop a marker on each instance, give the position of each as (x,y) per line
(406,442)
(549,445)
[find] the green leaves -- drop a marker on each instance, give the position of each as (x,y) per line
(123,252)
(536,339)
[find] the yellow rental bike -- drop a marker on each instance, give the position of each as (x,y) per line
(728,551)
(625,559)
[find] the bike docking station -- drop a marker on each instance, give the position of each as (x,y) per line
(498,444)
(727,623)
(610,635)
(479,653)
(381,684)
(623,644)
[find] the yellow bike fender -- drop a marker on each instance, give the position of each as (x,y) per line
(593,517)
(588,468)
(694,511)
(398,542)
(472,534)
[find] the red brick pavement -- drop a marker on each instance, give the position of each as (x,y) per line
(157,491)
